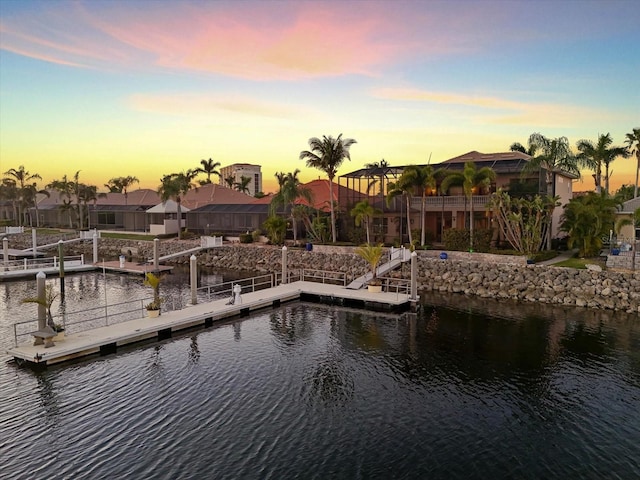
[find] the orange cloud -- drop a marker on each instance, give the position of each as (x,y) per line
(194,104)
(495,110)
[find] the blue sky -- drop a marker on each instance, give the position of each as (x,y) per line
(152,87)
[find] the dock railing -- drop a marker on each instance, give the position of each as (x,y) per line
(111,314)
(40,263)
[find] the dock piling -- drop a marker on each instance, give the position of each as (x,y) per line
(193,277)
(284,264)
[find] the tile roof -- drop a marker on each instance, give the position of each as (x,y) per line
(213,193)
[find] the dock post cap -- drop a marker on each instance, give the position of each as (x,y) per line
(41,274)
(414,254)
(193,257)
(284,248)
(60,241)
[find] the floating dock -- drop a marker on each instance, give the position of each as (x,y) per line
(107,339)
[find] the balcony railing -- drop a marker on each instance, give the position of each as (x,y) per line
(449,202)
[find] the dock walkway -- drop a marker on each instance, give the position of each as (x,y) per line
(107,339)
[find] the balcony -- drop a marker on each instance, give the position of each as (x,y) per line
(450,202)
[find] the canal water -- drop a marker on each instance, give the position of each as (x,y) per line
(465,389)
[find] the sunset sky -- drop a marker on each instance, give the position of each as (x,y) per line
(146,88)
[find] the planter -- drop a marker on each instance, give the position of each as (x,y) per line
(59,336)
(374,288)
(153,313)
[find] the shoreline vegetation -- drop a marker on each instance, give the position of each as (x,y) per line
(473,274)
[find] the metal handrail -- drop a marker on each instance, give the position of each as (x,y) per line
(33,263)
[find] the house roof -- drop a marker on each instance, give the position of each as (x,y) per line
(500,162)
(168,207)
(142,197)
(233,208)
(630,206)
(213,193)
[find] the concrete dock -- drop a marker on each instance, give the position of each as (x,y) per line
(105,340)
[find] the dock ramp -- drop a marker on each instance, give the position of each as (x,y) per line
(397,256)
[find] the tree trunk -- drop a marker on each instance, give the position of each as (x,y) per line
(471,222)
(409,223)
(179,212)
(422,208)
(333,215)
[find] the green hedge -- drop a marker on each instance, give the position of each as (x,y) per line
(457,239)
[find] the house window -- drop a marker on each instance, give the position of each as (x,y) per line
(244,221)
(107,218)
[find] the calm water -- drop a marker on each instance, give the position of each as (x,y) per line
(492,390)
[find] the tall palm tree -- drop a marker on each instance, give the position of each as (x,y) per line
(379,170)
(402,187)
(471,179)
(633,147)
(230,181)
(175,186)
(421,179)
(9,191)
(551,155)
(363,214)
(121,185)
(86,194)
(243,184)
(327,154)
(210,168)
(594,156)
(518,147)
(31,199)
(290,191)
(66,189)
(22,179)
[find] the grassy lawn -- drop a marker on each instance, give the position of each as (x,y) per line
(581,263)
(128,236)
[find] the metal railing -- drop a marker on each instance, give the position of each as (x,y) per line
(449,201)
(225,289)
(39,263)
(111,314)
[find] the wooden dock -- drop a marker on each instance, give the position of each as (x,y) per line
(105,340)
(131,267)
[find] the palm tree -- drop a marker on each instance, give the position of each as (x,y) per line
(551,155)
(176,185)
(363,214)
(587,219)
(380,170)
(9,191)
(31,198)
(405,189)
(230,181)
(121,185)
(327,154)
(471,179)
(633,147)
(22,179)
(86,194)
(518,147)
(65,188)
(210,168)
(421,179)
(290,191)
(243,184)
(595,156)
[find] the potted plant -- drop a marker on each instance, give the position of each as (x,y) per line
(49,297)
(372,255)
(153,281)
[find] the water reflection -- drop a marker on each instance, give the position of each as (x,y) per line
(344,393)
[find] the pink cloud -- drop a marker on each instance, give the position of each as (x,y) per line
(254,40)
